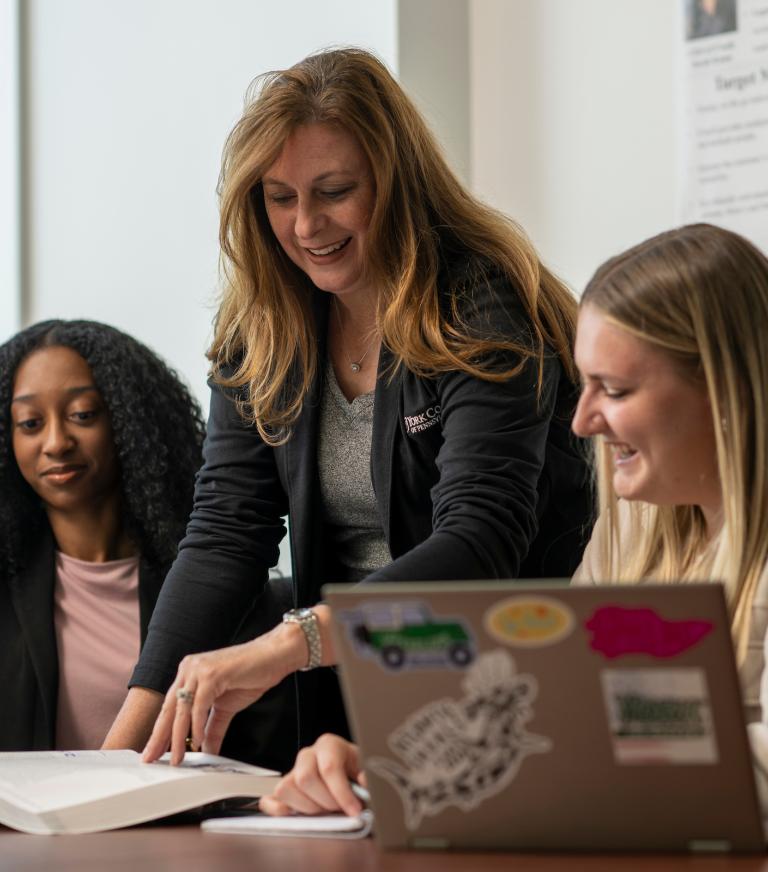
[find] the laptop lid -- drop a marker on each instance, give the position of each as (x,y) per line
(543,716)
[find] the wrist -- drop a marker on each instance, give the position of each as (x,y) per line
(323,613)
(133,724)
(291,647)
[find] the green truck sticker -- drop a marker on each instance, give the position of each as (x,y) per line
(400,635)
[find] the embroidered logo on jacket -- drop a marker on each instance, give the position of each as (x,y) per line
(423,421)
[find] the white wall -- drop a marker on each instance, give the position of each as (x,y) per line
(10,182)
(434,67)
(130,103)
(560,113)
(573,122)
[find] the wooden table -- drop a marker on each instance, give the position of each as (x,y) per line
(188,849)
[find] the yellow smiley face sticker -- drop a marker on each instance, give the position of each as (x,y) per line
(529,621)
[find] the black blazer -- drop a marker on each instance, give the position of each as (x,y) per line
(29,664)
(473,479)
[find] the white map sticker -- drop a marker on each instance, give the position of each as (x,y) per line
(460,751)
(659,716)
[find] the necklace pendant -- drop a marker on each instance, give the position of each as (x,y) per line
(355,367)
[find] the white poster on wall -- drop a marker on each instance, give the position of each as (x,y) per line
(724,136)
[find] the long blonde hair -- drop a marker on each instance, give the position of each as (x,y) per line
(699,293)
(264,327)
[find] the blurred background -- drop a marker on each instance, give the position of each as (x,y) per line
(113,114)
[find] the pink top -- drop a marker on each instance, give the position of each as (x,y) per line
(96,617)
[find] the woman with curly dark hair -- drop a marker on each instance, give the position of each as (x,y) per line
(99,445)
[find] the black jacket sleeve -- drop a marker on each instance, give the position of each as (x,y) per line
(484,516)
(232,539)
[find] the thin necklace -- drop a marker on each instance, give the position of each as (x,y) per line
(354,365)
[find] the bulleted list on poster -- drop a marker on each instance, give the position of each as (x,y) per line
(724,125)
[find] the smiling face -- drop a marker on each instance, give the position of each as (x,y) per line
(62,435)
(319,196)
(655,420)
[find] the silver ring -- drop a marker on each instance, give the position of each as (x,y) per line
(184,695)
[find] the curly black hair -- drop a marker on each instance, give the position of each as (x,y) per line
(158,430)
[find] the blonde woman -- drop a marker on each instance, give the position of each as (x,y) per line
(671,350)
(392,368)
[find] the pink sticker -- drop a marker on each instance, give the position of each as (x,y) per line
(617,631)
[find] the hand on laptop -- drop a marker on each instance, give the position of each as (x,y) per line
(319,782)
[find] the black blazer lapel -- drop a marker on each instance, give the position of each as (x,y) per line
(150,582)
(387,411)
(32,597)
(301,475)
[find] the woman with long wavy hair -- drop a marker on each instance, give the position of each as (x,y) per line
(99,445)
(392,369)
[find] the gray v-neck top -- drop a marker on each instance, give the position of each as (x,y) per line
(348,501)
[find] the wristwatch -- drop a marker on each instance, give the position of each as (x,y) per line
(307,620)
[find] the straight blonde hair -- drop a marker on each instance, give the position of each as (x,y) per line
(264,328)
(700,294)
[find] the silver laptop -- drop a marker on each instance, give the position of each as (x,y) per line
(542,716)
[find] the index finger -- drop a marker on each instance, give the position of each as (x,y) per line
(160,737)
(337,783)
